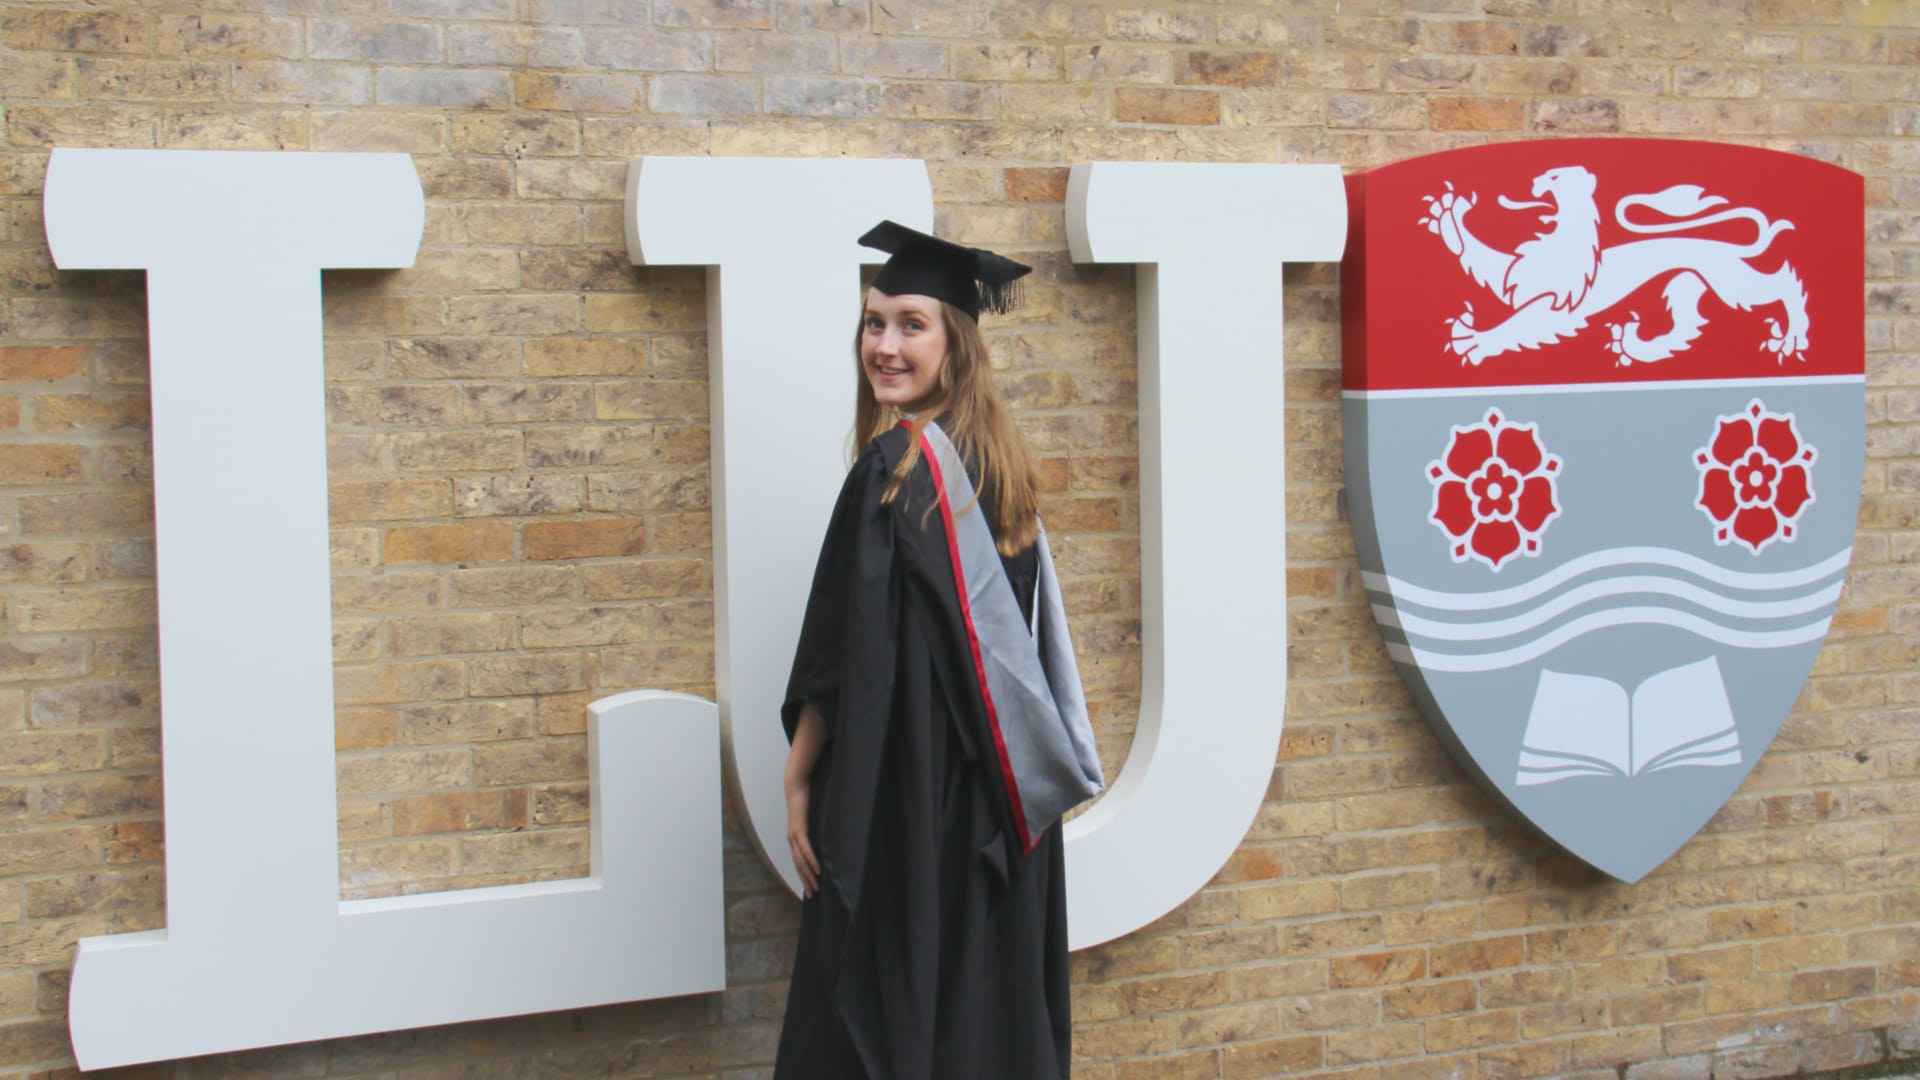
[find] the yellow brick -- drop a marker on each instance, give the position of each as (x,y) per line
(1380,968)
(98,797)
(1374,891)
(1174,993)
(77,31)
(41,850)
(117,891)
(1426,999)
(41,754)
(530,761)
(1744,995)
(449,543)
(223,128)
(1221,947)
(41,363)
(1560,1018)
(1540,1058)
(1618,974)
(1657,1005)
(560,804)
(573,626)
(408,770)
(595,357)
(465,721)
(1699,965)
(657,666)
(363,729)
(1478,1030)
(460,812)
(390,500)
(90,412)
(1331,1011)
(544,850)
(563,714)
(151,80)
(365,870)
(593,538)
(82,609)
(227,33)
(462,632)
(515,586)
(526,673)
(384,591)
(94,513)
(378,684)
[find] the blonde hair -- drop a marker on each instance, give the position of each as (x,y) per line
(975,417)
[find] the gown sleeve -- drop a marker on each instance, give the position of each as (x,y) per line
(846,634)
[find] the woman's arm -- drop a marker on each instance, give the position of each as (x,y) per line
(809,738)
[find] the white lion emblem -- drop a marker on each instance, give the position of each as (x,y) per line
(1562,278)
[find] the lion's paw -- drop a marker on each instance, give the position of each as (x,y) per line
(1784,344)
(1463,340)
(1444,217)
(1620,339)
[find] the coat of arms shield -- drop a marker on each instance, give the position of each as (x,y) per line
(1605,419)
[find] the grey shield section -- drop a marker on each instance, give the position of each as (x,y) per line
(1615,689)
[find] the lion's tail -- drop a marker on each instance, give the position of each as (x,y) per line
(1690,205)
(1761,242)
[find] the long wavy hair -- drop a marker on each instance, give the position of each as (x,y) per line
(973,414)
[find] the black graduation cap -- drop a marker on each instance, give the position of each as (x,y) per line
(968,278)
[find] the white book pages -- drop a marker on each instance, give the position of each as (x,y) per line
(1577,727)
(1681,714)
(1585,725)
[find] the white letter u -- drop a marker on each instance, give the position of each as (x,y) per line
(1210,242)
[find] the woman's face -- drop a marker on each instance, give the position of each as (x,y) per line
(903,344)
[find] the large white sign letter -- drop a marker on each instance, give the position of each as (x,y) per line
(1210,242)
(259,950)
(783,297)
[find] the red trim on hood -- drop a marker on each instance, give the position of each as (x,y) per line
(973,644)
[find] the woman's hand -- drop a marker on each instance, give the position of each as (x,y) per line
(799,796)
(809,738)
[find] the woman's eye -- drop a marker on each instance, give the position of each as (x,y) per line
(913,324)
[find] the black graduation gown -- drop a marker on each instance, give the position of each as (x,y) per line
(933,950)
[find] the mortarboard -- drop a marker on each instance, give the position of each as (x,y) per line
(968,278)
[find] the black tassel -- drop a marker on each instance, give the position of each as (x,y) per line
(1001,297)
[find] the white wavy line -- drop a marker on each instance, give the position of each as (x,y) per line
(1531,777)
(1601,620)
(1559,759)
(1622,556)
(1678,761)
(1573,598)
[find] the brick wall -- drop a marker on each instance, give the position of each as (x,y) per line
(521,505)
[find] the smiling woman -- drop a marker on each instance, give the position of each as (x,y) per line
(925,788)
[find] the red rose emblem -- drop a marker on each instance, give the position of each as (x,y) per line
(1756,478)
(1493,491)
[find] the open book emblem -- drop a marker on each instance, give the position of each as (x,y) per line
(1586,725)
(1605,422)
